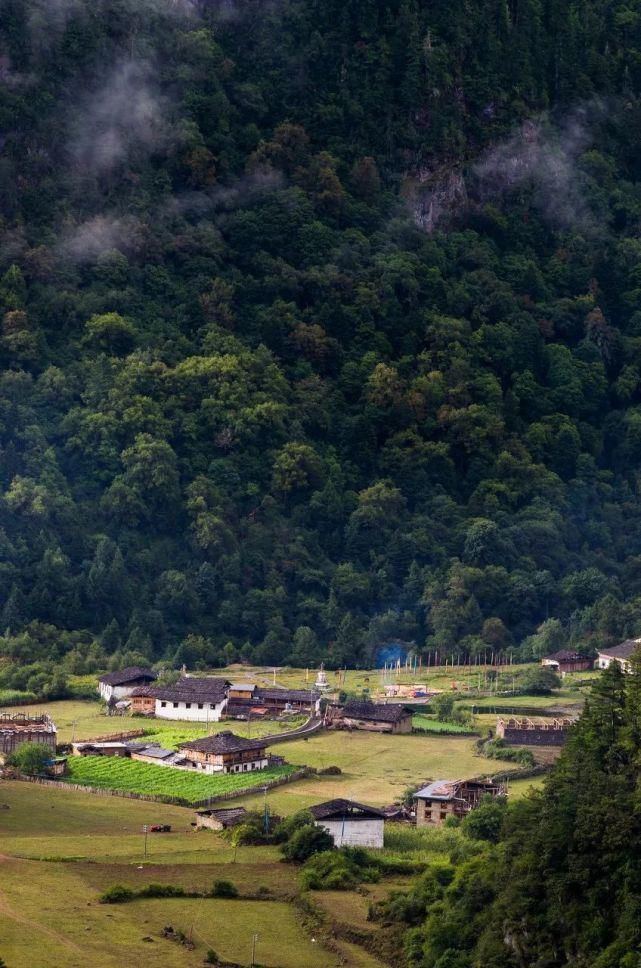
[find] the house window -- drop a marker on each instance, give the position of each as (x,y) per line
(175,705)
(163,704)
(200,705)
(187,705)
(212,705)
(443,814)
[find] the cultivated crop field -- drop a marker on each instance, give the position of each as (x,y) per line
(116,773)
(430,725)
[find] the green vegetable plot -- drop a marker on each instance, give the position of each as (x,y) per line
(113,773)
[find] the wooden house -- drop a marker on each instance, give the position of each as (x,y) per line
(121,684)
(350,823)
(241,691)
(267,700)
(567,660)
(225,753)
(375,717)
(19,728)
(452,798)
(143,701)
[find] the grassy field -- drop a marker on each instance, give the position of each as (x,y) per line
(82,719)
(116,773)
(377,767)
(49,910)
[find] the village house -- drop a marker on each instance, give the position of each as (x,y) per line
(617,653)
(375,717)
(143,701)
(121,684)
(221,819)
(245,699)
(196,699)
(225,753)
(350,824)
(566,661)
(530,732)
(19,728)
(451,798)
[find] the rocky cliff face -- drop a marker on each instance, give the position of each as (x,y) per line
(435,197)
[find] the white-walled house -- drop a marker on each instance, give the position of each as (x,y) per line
(618,653)
(349,823)
(121,684)
(197,700)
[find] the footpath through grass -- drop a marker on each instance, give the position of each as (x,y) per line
(116,773)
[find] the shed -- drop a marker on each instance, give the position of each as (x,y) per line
(350,823)
(220,819)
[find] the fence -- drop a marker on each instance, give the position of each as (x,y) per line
(174,801)
(115,737)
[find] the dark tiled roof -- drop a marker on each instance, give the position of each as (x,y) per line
(344,808)
(566,655)
(229,816)
(205,689)
(225,742)
(287,695)
(378,712)
(623,651)
(123,676)
(144,691)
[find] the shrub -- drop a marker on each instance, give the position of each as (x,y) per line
(118,894)
(305,842)
(211,958)
(224,889)
(31,758)
(161,890)
(339,870)
(485,822)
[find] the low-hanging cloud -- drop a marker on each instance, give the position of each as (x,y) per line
(544,157)
(86,242)
(126,115)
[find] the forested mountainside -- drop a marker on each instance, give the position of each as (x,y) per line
(562,887)
(321,328)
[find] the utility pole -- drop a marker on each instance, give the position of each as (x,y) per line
(254,940)
(145,830)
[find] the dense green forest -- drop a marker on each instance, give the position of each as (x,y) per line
(562,887)
(321,328)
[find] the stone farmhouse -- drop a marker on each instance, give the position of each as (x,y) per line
(18,728)
(617,653)
(121,684)
(530,732)
(452,798)
(375,717)
(349,823)
(225,753)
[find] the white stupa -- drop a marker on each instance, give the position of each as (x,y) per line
(321,680)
